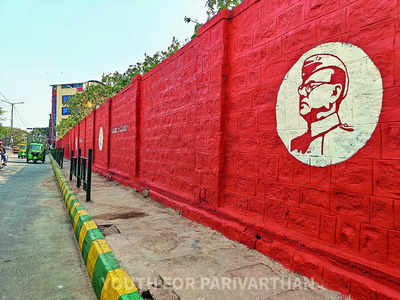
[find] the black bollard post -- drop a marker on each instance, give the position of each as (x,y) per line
(78,181)
(89,175)
(62,158)
(71,167)
(59,157)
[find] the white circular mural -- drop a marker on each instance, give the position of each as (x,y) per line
(101,138)
(329,104)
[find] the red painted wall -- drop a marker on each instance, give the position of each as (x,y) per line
(180,117)
(202,137)
(70,143)
(82,137)
(66,144)
(123,134)
(102,124)
(90,131)
(335,206)
(75,139)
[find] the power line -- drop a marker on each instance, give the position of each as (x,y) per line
(13,104)
(20,118)
(3,95)
(5,98)
(5,101)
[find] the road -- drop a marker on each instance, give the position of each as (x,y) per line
(39,258)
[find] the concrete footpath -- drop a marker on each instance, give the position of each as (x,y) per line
(39,258)
(170,257)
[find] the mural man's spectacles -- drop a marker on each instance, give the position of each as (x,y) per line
(306,89)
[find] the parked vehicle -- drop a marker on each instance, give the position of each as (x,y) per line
(15,149)
(22,151)
(35,152)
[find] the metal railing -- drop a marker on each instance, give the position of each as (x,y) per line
(81,168)
(58,155)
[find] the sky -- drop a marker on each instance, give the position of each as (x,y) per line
(44,42)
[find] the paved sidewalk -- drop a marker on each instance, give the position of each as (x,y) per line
(174,258)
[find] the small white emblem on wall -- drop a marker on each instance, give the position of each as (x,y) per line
(101,138)
(329,104)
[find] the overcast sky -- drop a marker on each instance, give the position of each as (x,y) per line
(46,42)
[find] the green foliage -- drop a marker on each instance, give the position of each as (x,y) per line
(215,6)
(196,29)
(65,125)
(4,133)
(196,26)
(2,113)
(18,134)
(38,135)
(40,131)
(81,104)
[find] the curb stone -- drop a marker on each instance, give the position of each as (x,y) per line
(109,280)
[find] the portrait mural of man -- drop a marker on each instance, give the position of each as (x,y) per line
(328,104)
(324,86)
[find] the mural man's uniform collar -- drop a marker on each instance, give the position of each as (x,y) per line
(324,125)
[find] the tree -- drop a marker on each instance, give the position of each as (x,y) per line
(215,6)
(65,125)
(2,113)
(7,135)
(19,135)
(196,26)
(3,133)
(38,135)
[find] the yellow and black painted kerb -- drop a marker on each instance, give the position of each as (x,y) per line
(109,280)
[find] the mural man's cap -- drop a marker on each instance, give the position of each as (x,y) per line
(319,62)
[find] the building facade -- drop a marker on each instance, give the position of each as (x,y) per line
(60,96)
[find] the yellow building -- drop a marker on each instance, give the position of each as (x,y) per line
(61,94)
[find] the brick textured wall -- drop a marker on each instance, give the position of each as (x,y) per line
(101,140)
(204,136)
(82,137)
(180,136)
(75,139)
(123,134)
(67,144)
(89,133)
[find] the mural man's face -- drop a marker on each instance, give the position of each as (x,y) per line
(318,95)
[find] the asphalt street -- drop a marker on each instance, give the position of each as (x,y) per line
(39,258)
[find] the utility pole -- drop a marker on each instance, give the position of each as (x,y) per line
(12,117)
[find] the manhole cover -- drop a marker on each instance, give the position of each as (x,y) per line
(108,229)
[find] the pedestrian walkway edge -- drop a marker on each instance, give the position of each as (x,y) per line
(109,280)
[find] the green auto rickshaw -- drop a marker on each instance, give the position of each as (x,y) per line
(35,152)
(22,151)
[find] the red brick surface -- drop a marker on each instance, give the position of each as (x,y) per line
(123,135)
(82,137)
(101,157)
(89,142)
(201,135)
